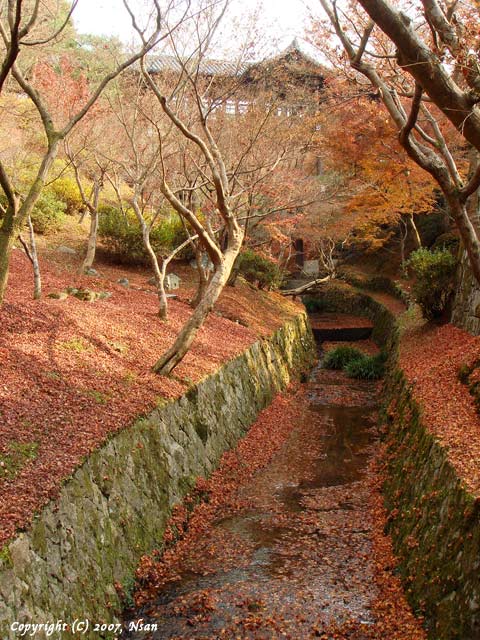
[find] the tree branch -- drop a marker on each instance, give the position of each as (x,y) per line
(405,132)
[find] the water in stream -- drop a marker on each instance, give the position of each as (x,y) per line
(298,557)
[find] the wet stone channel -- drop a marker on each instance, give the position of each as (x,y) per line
(298,557)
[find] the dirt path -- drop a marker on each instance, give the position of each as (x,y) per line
(302,554)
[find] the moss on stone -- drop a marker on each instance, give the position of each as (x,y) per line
(433,520)
(18,454)
(5,558)
(115,506)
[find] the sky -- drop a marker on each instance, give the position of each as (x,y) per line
(282,20)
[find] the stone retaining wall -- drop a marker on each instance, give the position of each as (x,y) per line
(433,520)
(115,506)
(466,302)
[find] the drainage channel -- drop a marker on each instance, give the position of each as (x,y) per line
(298,557)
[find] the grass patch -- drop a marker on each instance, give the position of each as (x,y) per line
(127,590)
(340,357)
(75,344)
(5,557)
(355,363)
(367,367)
(54,375)
(313,305)
(18,454)
(97,396)
(464,373)
(129,377)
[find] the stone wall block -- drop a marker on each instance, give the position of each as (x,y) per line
(115,506)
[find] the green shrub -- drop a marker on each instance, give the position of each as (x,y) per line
(448,241)
(122,235)
(259,270)
(355,363)
(313,304)
(464,373)
(48,214)
(434,271)
(340,357)
(366,367)
(66,190)
(432,225)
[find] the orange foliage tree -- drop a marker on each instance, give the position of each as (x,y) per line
(421,60)
(384,186)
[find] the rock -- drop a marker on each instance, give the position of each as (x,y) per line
(124,282)
(311,268)
(20,554)
(91,272)
(205,262)
(58,295)
(67,250)
(87,295)
(172,281)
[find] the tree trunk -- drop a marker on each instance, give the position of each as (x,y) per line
(16,216)
(202,279)
(162,296)
(185,338)
(92,241)
(232,280)
(403,236)
(158,273)
(7,238)
(37,277)
(93,210)
(416,235)
(467,233)
(304,287)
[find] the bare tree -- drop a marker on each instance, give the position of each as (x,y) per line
(425,73)
(326,250)
(221,257)
(30,249)
(88,164)
(222,172)
(134,157)
(16,24)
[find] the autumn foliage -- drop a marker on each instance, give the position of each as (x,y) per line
(74,372)
(302,562)
(379,183)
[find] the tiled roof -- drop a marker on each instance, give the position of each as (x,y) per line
(206,67)
(210,67)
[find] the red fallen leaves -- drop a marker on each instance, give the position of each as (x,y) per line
(394,305)
(431,357)
(218,495)
(345,550)
(73,372)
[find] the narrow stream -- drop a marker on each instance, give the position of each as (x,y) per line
(298,557)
